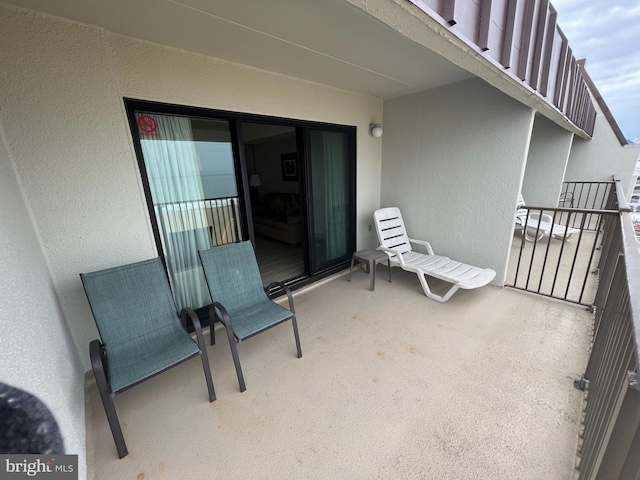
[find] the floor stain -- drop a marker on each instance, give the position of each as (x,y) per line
(376,379)
(382,355)
(313,450)
(299,459)
(161,466)
(414,349)
(140,476)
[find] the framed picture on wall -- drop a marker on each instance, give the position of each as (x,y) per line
(289,167)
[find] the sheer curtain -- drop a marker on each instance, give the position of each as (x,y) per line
(176,189)
(330,183)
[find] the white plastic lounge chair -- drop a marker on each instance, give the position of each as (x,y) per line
(393,239)
(539,224)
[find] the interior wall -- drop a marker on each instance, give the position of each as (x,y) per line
(37,353)
(269,164)
(546,163)
(61,95)
(452,161)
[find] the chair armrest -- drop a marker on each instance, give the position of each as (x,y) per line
(425,244)
(286,289)
(393,252)
(99,362)
(226,319)
(188,312)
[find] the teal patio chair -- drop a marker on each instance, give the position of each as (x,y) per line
(141,334)
(240,302)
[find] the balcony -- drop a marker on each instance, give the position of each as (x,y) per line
(394,385)
(391,385)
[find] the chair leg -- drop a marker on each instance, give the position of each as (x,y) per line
(430,294)
(236,358)
(203,354)
(107,400)
(295,333)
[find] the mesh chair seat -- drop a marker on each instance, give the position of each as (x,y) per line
(257,317)
(136,360)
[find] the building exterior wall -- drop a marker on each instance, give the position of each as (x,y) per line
(61,91)
(452,161)
(546,163)
(37,353)
(596,160)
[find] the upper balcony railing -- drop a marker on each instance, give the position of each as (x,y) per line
(522,38)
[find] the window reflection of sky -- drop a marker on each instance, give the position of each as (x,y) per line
(216,169)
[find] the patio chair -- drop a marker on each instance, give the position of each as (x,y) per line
(240,302)
(394,240)
(536,224)
(141,334)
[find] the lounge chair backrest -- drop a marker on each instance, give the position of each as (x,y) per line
(233,276)
(130,301)
(390,229)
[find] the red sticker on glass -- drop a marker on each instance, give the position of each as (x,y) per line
(147,125)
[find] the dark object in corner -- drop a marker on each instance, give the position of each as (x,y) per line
(26,424)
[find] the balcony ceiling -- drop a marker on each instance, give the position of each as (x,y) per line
(328,41)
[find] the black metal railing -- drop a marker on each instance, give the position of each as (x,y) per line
(558,253)
(220,217)
(589,196)
(609,444)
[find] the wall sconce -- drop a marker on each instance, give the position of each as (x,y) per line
(375,130)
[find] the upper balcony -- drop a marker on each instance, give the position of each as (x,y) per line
(385,49)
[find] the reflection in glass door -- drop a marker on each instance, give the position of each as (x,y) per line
(190,170)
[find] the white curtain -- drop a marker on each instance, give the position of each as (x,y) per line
(176,189)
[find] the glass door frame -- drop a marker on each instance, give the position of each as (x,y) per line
(235,120)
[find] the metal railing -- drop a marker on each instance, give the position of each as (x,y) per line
(219,216)
(559,252)
(590,196)
(609,444)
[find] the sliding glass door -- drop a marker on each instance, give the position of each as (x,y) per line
(332,195)
(196,174)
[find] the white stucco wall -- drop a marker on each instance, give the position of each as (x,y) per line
(36,350)
(61,90)
(596,160)
(546,163)
(452,161)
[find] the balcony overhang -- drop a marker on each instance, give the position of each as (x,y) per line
(383,49)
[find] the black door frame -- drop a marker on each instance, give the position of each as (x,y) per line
(235,120)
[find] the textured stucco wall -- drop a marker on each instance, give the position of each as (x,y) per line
(36,350)
(61,90)
(452,160)
(596,160)
(546,163)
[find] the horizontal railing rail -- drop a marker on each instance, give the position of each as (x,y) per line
(609,444)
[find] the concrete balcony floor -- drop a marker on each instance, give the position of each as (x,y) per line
(391,385)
